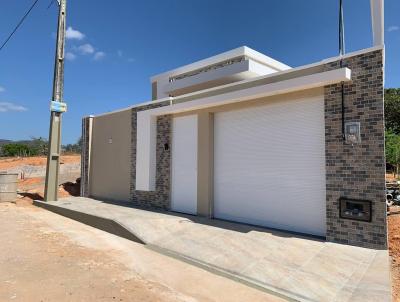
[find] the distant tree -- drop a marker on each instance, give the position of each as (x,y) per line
(392,148)
(16,149)
(39,144)
(79,143)
(73,148)
(392,109)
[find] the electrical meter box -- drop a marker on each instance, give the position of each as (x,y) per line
(352,132)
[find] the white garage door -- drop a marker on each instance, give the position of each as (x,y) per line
(184,164)
(269,165)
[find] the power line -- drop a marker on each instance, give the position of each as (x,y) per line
(18,25)
(50,4)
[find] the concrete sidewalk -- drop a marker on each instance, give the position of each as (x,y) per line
(296,267)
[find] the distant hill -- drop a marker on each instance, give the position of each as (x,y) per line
(7,141)
(4,141)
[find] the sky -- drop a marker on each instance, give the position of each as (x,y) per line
(114,47)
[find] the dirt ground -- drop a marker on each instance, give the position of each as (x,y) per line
(30,188)
(394,250)
(10,162)
(390,177)
(47,257)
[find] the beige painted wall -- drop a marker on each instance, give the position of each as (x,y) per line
(110,169)
(205,162)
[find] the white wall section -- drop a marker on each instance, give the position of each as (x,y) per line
(184,164)
(146,152)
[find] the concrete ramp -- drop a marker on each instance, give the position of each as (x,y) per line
(98,222)
(291,266)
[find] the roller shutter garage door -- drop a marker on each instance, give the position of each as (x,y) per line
(269,165)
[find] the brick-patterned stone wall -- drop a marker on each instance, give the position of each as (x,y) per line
(160,198)
(84,190)
(356,171)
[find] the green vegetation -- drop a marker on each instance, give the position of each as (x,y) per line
(392,133)
(392,144)
(16,149)
(392,109)
(33,147)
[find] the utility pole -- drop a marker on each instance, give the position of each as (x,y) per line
(57,108)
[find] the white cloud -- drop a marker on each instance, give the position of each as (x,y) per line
(2,89)
(70,56)
(99,55)
(120,54)
(6,106)
(74,34)
(393,28)
(86,49)
(131,60)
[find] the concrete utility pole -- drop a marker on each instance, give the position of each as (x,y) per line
(57,108)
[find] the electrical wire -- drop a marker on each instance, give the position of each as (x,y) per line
(18,25)
(50,4)
(341,53)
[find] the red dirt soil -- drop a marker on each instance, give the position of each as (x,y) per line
(394,251)
(38,193)
(390,177)
(8,163)
(33,188)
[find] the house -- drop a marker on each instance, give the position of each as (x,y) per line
(242,137)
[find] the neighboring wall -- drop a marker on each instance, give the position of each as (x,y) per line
(357,171)
(110,168)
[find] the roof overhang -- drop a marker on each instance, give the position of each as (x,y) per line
(147,120)
(243,70)
(235,65)
(234,53)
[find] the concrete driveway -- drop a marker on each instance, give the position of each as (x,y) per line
(295,267)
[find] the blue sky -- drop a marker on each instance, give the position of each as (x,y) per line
(115,46)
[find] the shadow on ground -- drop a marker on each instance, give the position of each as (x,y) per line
(73,188)
(33,196)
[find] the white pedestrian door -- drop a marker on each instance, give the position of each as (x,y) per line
(269,165)
(184,164)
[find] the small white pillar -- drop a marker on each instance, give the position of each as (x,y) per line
(377,18)
(146,142)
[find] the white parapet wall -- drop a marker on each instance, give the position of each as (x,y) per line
(378,22)
(231,66)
